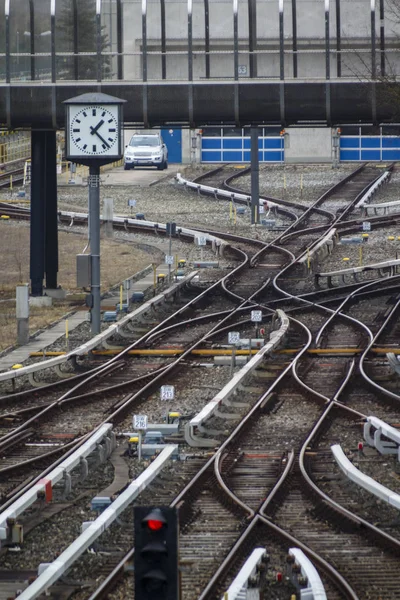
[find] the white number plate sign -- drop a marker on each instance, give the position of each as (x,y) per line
(256,316)
(139,422)
(233,337)
(167,392)
(201,240)
(169,259)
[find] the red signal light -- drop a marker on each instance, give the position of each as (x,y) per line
(155,520)
(154,525)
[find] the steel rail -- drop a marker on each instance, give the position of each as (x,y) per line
(366,377)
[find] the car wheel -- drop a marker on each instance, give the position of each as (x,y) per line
(126,167)
(165,164)
(160,167)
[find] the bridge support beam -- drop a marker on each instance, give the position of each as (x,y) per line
(44,233)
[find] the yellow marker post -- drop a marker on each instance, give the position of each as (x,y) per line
(154,278)
(391,238)
(120,298)
(346,259)
(66,334)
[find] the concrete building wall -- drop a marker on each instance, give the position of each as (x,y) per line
(355,31)
(311,144)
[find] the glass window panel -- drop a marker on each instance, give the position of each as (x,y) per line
(212,132)
(66,40)
(42,39)
(76,40)
(176,18)
(350,130)
(109,39)
(132,26)
(19,40)
(391,130)
(370,130)
(268,38)
(198,28)
(221,40)
(232,132)
(310,26)
(154,69)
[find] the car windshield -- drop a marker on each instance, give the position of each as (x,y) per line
(139,140)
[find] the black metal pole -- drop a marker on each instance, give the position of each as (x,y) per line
(255,184)
(252,7)
(94,237)
(51,223)
(37,245)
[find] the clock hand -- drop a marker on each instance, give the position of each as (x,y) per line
(93,130)
(102,139)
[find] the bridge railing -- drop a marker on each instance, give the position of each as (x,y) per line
(191,41)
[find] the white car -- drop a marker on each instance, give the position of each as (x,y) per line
(147,150)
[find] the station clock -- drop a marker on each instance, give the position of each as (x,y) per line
(93,129)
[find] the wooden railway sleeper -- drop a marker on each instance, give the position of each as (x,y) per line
(107,346)
(226,415)
(67,484)
(234,403)
(210,431)
(84,467)
(33,382)
(62,374)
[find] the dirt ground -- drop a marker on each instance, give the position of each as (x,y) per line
(118,261)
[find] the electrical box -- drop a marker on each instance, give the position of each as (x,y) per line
(83,270)
(170,229)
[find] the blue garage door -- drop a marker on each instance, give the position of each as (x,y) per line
(237,149)
(369,148)
(173,139)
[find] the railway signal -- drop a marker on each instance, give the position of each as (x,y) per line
(156,553)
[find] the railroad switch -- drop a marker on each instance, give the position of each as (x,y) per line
(110,316)
(100,503)
(173,417)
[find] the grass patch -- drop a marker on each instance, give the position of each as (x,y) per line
(118,261)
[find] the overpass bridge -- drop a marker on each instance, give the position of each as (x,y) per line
(189,63)
(199,62)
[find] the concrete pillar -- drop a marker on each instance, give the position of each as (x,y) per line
(22,312)
(44,225)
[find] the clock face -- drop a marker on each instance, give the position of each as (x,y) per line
(93,131)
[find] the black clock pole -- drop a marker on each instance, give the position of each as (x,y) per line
(94,238)
(93,137)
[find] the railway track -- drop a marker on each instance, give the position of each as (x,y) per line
(268,444)
(12,177)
